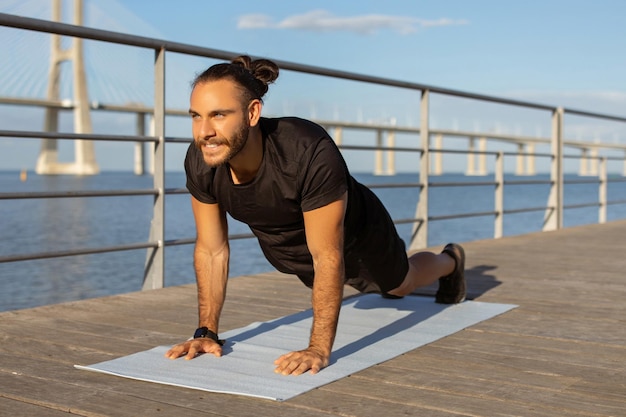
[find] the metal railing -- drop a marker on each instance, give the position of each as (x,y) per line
(154,269)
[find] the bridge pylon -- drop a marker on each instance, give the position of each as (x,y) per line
(84,152)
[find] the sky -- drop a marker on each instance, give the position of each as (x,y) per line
(567,53)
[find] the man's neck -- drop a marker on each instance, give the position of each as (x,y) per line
(244,167)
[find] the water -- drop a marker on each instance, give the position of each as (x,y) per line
(40,225)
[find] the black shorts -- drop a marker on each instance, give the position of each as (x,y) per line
(377,261)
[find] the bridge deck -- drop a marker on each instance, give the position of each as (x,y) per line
(562,352)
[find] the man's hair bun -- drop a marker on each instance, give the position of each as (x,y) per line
(253,76)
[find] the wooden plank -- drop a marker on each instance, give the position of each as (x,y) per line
(11,407)
(552,349)
(425,400)
(62,395)
(510,382)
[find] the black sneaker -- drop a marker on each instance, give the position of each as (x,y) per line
(452,287)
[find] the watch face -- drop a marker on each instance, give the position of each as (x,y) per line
(200,332)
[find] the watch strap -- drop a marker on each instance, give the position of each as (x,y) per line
(205,332)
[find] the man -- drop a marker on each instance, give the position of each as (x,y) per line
(287,180)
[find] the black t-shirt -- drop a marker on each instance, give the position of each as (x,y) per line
(302,169)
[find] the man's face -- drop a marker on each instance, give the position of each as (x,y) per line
(219,121)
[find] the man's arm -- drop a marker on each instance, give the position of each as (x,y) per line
(211,257)
(324,234)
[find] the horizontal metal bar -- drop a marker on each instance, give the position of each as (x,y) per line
(524,210)
(594,180)
(105,249)
(581,205)
(458,151)
(461,184)
(462,215)
(77,252)
(186,141)
(176,191)
(177,242)
(616,179)
(89,193)
(406,221)
(191,241)
(377,148)
(594,115)
(395,185)
(77,194)
(616,202)
(75,136)
(527,182)
(38,102)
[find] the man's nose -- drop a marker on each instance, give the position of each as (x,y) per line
(206,129)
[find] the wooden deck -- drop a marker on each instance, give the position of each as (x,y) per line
(562,352)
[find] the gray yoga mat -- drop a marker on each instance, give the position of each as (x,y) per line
(371,330)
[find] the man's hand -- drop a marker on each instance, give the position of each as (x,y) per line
(192,348)
(297,363)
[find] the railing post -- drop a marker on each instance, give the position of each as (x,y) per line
(553,219)
(602,190)
(155,259)
(419,238)
(499,196)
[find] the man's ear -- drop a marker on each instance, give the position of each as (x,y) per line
(254,112)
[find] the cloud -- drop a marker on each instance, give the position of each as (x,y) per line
(324,21)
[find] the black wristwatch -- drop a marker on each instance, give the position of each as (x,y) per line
(209,334)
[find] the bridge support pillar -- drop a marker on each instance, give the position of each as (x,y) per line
(84,152)
(437,156)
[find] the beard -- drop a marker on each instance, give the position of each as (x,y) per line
(231,146)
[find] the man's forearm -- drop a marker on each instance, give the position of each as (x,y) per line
(326,300)
(211,277)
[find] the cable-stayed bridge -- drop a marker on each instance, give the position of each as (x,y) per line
(75,73)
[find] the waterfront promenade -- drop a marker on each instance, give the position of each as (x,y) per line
(562,352)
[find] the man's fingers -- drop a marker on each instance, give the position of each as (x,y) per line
(302,368)
(297,363)
(192,348)
(315,369)
(175,352)
(192,352)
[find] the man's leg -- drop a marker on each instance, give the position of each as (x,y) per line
(427,267)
